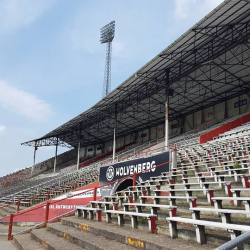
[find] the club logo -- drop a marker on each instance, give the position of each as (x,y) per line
(110,173)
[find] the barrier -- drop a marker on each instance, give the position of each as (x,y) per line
(122,169)
(47,203)
(224,128)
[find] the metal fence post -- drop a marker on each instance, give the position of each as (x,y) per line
(94,193)
(18,206)
(10,226)
(134,179)
(47,213)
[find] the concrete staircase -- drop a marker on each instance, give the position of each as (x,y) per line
(74,233)
(6,211)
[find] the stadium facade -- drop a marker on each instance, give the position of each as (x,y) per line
(197,85)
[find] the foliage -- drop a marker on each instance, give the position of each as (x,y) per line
(237,165)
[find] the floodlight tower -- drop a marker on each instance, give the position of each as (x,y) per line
(107,36)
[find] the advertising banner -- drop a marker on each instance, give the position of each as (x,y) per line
(60,207)
(120,170)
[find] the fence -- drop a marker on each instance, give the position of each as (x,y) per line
(48,203)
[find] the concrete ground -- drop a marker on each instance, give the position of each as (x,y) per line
(4,243)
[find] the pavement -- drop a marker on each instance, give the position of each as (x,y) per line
(4,243)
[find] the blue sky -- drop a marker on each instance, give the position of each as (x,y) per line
(52,64)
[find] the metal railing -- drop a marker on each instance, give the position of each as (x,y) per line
(48,203)
(235,242)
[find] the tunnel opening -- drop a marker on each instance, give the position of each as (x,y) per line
(124,184)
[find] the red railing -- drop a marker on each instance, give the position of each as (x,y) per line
(37,195)
(48,203)
(138,154)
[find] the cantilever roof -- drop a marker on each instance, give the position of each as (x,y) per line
(206,65)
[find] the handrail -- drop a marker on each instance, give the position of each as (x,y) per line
(138,154)
(235,242)
(73,195)
(58,178)
(105,161)
(35,195)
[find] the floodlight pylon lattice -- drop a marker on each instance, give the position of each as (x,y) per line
(107,36)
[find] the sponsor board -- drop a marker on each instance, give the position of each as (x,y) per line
(60,207)
(121,170)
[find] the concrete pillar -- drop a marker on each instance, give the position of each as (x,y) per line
(166,109)
(34,160)
(55,157)
(174,159)
(78,155)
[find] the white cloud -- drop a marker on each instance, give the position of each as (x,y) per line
(185,8)
(23,103)
(182,7)
(2,129)
(17,13)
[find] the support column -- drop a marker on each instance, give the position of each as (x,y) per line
(114,146)
(34,159)
(174,158)
(55,156)
(166,109)
(114,142)
(166,124)
(78,155)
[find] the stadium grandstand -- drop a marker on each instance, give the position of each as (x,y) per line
(161,162)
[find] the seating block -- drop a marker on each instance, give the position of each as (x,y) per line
(234,229)
(89,211)
(134,218)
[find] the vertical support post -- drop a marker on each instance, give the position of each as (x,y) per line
(55,156)
(166,109)
(107,73)
(78,155)
(46,213)
(114,142)
(34,160)
(174,158)
(114,146)
(134,179)
(10,226)
(18,205)
(94,193)
(99,215)
(166,125)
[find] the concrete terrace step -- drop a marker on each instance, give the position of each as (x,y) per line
(127,235)
(86,239)
(4,213)
(11,209)
(53,242)
(24,242)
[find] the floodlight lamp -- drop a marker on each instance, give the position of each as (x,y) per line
(107,32)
